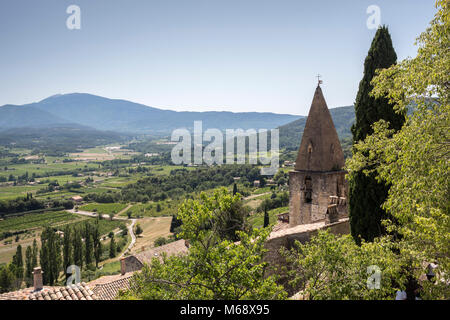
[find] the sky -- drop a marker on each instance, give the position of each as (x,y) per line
(198,55)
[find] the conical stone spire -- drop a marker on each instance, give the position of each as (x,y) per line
(320,149)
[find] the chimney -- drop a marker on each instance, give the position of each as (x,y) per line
(37,278)
(123,267)
(332,214)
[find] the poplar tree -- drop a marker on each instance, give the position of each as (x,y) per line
(50,256)
(29,266)
(366,194)
(88,244)
(35,252)
(77,249)
(67,249)
(112,247)
(97,243)
(18,263)
(266,217)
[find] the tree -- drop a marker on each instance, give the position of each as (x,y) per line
(160,241)
(6,279)
(415,160)
(123,229)
(138,229)
(112,248)
(77,248)
(17,262)
(215,267)
(35,252)
(266,218)
(88,246)
(50,255)
(330,267)
(366,194)
(29,266)
(97,243)
(67,249)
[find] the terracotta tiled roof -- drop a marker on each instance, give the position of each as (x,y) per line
(108,287)
(17,295)
(79,291)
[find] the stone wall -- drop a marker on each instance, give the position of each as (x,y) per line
(302,233)
(129,264)
(318,187)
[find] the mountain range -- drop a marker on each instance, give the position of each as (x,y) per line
(76,116)
(79,109)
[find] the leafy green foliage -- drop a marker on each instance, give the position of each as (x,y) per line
(333,267)
(6,278)
(50,255)
(214,268)
(366,194)
(415,160)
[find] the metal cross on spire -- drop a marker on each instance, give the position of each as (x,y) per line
(319,82)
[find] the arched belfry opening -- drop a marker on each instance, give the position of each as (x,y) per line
(308,189)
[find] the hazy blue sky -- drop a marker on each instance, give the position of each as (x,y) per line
(236,55)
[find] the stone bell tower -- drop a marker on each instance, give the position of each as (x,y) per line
(318,180)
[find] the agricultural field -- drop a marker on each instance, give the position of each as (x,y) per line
(33,223)
(37,220)
(103,208)
(105,226)
(92,172)
(12,192)
(153,228)
(102,154)
(44,169)
(257,218)
(166,208)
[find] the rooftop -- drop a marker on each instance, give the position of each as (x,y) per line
(80,291)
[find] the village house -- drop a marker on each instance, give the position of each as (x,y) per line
(77,199)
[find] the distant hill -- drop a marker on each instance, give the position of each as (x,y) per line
(27,116)
(291,133)
(125,116)
(58,140)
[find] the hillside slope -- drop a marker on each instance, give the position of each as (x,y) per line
(125,116)
(291,133)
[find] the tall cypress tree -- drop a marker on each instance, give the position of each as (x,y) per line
(77,249)
(88,244)
(50,255)
(35,252)
(29,266)
(18,263)
(366,194)
(67,249)
(266,217)
(112,248)
(97,243)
